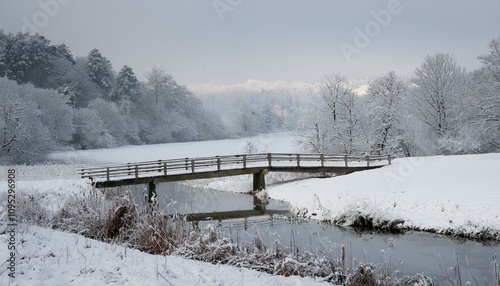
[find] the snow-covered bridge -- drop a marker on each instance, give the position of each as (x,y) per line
(153,172)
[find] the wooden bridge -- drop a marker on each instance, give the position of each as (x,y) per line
(154,172)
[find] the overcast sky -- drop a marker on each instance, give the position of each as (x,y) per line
(230,41)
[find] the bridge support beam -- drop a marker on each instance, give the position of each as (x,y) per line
(151,191)
(258,204)
(259,180)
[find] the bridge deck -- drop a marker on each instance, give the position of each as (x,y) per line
(222,166)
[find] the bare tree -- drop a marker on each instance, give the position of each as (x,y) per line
(23,137)
(158,81)
(489,78)
(336,123)
(439,84)
(384,97)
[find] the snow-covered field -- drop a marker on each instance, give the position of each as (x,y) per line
(448,194)
(273,142)
(458,195)
(445,194)
(48,257)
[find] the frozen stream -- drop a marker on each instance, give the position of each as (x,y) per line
(409,253)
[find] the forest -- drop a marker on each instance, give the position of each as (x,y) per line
(51,100)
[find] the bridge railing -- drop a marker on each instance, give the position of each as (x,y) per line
(230,162)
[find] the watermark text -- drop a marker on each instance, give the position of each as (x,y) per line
(11,222)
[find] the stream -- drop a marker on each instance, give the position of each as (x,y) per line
(243,216)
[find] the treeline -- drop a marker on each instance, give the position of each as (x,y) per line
(259,107)
(50,100)
(443,109)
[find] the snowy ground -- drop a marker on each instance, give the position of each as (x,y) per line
(48,257)
(445,194)
(274,142)
(450,194)
(457,195)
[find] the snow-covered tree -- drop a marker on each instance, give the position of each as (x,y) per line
(158,82)
(126,86)
(490,75)
(100,71)
(90,130)
(31,59)
(3,45)
(113,121)
(487,98)
(55,113)
(24,138)
(336,127)
(384,99)
(78,86)
(440,85)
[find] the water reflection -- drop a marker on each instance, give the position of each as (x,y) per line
(408,253)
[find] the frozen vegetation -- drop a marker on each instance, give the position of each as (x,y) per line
(53,101)
(455,195)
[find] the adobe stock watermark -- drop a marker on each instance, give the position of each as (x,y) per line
(11,225)
(371,29)
(41,18)
(405,170)
(223,6)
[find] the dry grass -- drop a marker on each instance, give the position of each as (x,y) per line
(112,216)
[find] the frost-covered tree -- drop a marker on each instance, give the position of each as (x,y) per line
(55,113)
(384,99)
(80,89)
(23,136)
(158,82)
(440,84)
(487,98)
(31,59)
(336,127)
(126,86)
(3,44)
(100,71)
(489,77)
(90,130)
(112,119)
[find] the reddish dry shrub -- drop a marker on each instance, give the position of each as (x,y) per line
(362,276)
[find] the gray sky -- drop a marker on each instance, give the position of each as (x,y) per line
(268,40)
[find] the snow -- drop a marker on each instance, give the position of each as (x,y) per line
(49,257)
(445,194)
(273,142)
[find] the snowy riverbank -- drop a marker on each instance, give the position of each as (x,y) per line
(457,195)
(446,194)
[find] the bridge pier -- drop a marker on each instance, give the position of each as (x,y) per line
(151,191)
(258,204)
(259,180)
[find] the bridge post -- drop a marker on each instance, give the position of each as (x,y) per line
(259,180)
(258,204)
(151,191)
